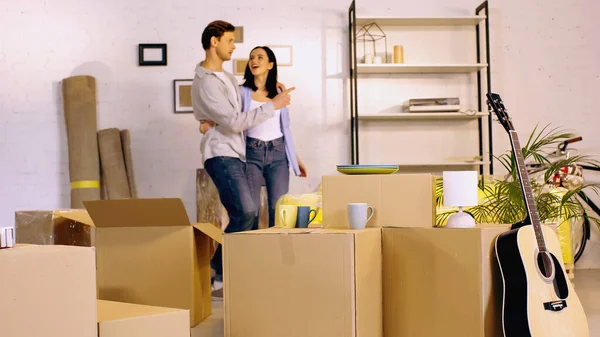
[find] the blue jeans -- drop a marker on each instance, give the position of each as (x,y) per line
(230,177)
(268,163)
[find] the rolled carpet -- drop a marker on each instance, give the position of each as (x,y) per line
(79,102)
(113,164)
(126,142)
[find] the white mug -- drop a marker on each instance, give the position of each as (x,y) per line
(357,215)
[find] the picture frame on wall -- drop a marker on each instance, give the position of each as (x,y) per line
(152,54)
(283,54)
(239,66)
(182,95)
(238,35)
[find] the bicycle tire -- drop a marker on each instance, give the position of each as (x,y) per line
(584,237)
(586,230)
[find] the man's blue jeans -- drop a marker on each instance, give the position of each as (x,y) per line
(268,163)
(230,177)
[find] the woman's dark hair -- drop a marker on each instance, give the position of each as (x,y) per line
(271,84)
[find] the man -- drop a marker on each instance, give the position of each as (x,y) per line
(216,97)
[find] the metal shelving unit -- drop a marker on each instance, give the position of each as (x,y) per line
(355,69)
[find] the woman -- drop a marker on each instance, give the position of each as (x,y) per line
(270,149)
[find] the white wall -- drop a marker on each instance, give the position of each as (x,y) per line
(544,64)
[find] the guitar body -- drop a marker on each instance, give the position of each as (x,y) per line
(534,305)
(538,299)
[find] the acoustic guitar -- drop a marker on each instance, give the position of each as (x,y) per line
(538,299)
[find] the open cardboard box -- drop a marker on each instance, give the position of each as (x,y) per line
(149,253)
(54,227)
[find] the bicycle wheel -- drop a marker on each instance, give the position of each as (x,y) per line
(580,233)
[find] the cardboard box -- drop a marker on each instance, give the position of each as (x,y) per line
(303,282)
(399,200)
(117,319)
(441,282)
(50,227)
(149,253)
(48,291)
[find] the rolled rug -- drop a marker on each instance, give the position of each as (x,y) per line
(126,142)
(79,102)
(113,164)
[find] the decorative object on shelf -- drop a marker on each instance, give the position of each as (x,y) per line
(182,96)
(368,169)
(152,54)
(398,54)
(371,33)
(460,190)
(437,104)
(239,66)
(283,54)
(238,35)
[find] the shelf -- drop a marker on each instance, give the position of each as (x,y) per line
(403,68)
(422,21)
(448,164)
(422,115)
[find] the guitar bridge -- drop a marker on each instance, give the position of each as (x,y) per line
(556,305)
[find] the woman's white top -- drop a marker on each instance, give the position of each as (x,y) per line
(267,130)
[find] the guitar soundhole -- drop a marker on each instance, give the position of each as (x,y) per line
(545,264)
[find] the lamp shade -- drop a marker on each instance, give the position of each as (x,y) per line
(460,188)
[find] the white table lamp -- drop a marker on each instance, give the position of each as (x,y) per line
(460,189)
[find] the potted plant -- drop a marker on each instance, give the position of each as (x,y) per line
(556,185)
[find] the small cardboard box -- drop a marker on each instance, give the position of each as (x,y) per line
(399,200)
(303,282)
(116,319)
(48,291)
(50,227)
(441,282)
(149,253)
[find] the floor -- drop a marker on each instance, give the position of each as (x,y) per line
(587,286)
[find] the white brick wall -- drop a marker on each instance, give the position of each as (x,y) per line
(545,67)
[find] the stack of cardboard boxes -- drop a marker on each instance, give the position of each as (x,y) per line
(132,267)
(401,276)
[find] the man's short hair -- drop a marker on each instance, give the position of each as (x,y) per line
(217,29)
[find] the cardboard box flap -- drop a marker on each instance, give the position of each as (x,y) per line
(137,212)
(277,230)
(211,230)
(112,311)
(79,215)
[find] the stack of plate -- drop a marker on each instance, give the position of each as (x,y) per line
(368,169)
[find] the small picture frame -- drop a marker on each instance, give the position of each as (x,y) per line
(238,35)
(283,54)
(182,95)
(239,66)
(152,54)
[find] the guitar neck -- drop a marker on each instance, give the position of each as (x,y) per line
(527,191)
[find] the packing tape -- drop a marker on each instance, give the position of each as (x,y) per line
(288,257)
(85,184)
